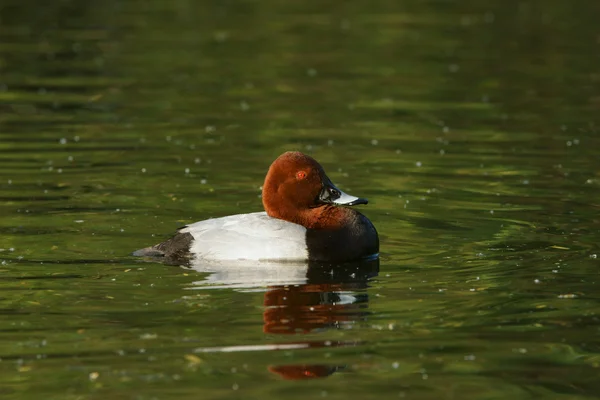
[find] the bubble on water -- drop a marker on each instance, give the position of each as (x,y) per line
(442,152)
(395,365)
(235,386)
(398,151)
(244,106)
(311,72)
(470,357)
(70,158)
(536,281)
(10,181)
(491,211)
(42,91)
(59,170)
(203,181)
(63,141)
(168,138)
(525,182)
(197,160)
(143,170)
(187,170)
(445,129)
(453,68)
(569,143)
(374,142)
(489,17)
(210,128)
(418,163)
(593,256)
(575,141)
(330,142)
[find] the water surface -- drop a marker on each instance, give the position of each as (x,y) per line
(471,126)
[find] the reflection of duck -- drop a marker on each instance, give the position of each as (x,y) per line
(328,299)
(298,372)
(315,296)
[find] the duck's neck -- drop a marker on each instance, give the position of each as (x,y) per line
(323,217)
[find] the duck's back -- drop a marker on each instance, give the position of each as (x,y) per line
(254,236)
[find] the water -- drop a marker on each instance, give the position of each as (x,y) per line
(472,127)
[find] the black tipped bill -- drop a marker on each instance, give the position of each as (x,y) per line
(330,194)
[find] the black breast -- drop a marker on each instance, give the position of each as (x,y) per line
(357,239)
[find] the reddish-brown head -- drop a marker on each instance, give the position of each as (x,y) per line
(296,185)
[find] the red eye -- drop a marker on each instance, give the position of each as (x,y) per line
(300,175)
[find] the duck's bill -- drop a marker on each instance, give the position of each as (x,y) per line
(330,194)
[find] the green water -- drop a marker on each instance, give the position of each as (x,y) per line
(471,126)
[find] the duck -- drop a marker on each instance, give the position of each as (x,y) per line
(305,218)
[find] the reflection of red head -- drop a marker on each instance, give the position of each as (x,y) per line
(304,308)
(298,372)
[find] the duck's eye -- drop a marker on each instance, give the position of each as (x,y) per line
(300,175)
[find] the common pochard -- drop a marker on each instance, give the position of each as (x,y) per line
(301,222)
